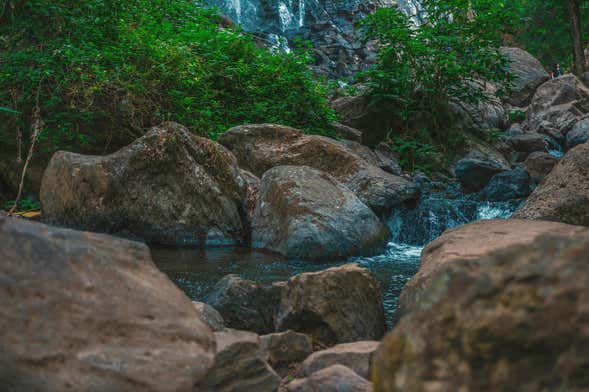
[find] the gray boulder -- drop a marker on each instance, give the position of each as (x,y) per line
(336,378)
(476,169)
(303,213)
(356,356)
(528,75)
(244,304)
(82,311)
(284,348)
(167,187)
(260,147)
(208,315)
(579,134)
(239,365)
(539,164)
(560,102)
(508,185)
(336,305)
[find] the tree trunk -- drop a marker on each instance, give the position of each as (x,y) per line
(575,22)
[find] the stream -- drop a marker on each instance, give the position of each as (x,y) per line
(197,270)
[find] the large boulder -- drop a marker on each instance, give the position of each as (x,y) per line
(381,156)
(239,365)
(559,102)
(509,185)
(260,147)
(528,142)
(167,187)
(476,169)
(356,356)
(244,304)
(285,348)
(304,213)
(481,117)
(579,134)
(539,164)
(208,315)
(517,321)
(528,75)
(336,378)
(466,243)
(88,312)
(563,196)
(336,305)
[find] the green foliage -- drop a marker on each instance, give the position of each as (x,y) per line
(421,69)
(543,29)
(24,204)
(414,153)
(516,116)
(494,134)
(101,71)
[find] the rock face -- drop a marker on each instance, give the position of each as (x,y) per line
(336,305)
(259,148)
(517,321)
(539,164)
(336,378)
(239,365)
(528,72)
(509,185)
(284,348)
(470,242)
(304,213)
(244,304)
(476,169)
(167,187)
(560,103)
(89,312)
(579,134)
(563,196)
(355,356)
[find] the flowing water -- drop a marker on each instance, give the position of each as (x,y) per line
(197,270)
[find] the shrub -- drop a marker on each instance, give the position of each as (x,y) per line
(101,71)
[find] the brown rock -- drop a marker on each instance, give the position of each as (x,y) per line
(470,242)
(261,147)
(208,315)
(167,187)
(539,165)
(336,305)
(356,356)
(528,72)
(239,365)
(303,213)
(284,348)
(88,312)
(336,378)
(516,320)
(348,133)
(563,196)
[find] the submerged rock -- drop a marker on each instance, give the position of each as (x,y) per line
(303,213)
(563,196)
(336,378)
(244,304)
(167,187)
(517,320)
(528,74)
(465,243)
(260,147)
(239,365)
(336,305)
(89,312)
(356,356)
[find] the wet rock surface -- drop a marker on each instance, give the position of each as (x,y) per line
(516,319)
(90,312)
(303,213)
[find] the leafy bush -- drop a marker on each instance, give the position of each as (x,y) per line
(101,71)
(422,69)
